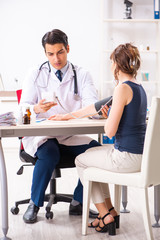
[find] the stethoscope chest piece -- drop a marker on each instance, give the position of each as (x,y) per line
(76,97)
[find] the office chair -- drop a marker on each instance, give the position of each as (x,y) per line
(52,197)
(148,176)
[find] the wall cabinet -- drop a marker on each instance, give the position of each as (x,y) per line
(145,34)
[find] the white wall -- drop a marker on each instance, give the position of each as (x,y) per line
(24,22)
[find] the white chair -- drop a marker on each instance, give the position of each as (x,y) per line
(147,177)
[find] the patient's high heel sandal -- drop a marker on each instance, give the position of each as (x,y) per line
(109,227)
(92,226)
(116,218)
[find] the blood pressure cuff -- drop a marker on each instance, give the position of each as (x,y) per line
(106,101)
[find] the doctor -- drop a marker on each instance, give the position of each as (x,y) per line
(59,76)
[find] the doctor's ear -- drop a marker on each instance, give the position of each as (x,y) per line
(68,49)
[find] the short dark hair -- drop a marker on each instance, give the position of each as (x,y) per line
(127,59)
(55,36)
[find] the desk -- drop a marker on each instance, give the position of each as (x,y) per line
(46,128)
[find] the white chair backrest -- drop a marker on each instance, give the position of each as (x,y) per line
(151,155)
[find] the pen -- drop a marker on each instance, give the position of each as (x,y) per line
(40,120)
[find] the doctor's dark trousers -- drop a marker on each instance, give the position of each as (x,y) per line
(49,155)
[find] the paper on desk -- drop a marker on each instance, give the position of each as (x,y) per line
(7,119)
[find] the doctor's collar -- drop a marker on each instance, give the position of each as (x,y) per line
(63,70)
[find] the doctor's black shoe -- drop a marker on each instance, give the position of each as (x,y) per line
(77,210)
(30,215)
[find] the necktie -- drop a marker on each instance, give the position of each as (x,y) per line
(59,74)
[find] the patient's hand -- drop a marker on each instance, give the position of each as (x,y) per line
(59,117)
(104,111)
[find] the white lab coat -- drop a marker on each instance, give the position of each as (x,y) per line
(32,93)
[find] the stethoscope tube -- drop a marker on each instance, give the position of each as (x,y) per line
(40,68)
(75,80)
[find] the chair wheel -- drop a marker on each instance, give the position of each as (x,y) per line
(14,210)
(49,215)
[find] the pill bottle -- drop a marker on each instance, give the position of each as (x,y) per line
(28,113)
(27,116)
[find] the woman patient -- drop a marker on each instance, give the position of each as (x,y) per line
(127,122)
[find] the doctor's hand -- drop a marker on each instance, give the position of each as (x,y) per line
(59,117)
(42,107)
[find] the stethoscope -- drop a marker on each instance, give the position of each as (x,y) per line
(76,97)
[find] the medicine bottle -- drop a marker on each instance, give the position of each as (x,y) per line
(27,116)
(28,113)
(26,119)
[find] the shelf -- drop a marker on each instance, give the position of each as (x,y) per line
(149,82)
(149,51)
(143,51)
(8,96)
(138,82)
(11,100)
(133,20)
(7,93)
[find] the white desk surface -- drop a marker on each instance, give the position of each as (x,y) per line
(48,128)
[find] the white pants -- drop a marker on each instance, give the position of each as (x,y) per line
(110,159)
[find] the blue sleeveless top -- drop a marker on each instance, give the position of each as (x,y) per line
(131,131)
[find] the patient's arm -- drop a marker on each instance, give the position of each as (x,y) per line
(100,107)
(83,112)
